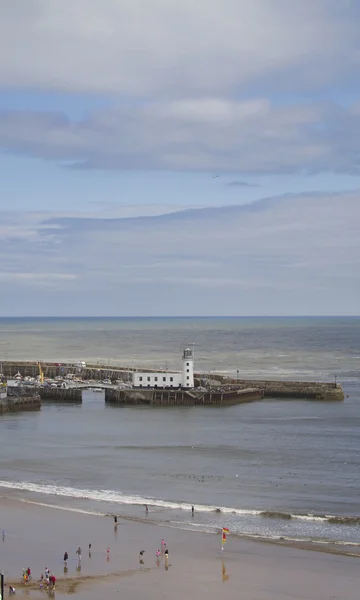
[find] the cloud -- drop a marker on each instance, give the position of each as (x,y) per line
(173,46)
(290,255)
(242,184)
(207,134)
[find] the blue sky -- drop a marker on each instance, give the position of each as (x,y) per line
(114,114)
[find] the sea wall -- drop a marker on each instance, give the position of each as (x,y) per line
(15,404)
(158,397)
(271,389)
(308,390)
(71,395)
(52,370)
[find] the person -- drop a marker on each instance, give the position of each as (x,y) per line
(47,572)
(28,572)
(115,520)
(192,511)
(163,544)
(12,590)
(3,535)
(52,581)
(66,556)
(108,554)
(158,553)
(78,552)
(41,577)
(166,553)
(146,509)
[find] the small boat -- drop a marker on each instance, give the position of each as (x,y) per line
(97,389)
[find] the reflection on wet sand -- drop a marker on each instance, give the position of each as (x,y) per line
(225,576)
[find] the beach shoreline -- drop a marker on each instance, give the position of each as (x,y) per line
(38,535)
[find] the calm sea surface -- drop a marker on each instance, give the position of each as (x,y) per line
(273,468)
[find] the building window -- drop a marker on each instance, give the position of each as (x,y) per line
(187,377)
(188,370)
(148,384)
(164,378)
(148,378)
(187,364)
(140,378)
(155,378)
(140,384)
(171,379)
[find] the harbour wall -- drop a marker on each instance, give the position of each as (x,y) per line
(52,370)
(158,397)
(308,390)
(15,404)
(71,395)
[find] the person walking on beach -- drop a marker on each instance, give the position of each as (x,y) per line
(146,509)
(89,550)
(78,552)
(3,535)
(115,520)
(108,554)
(192,511)
(66,556)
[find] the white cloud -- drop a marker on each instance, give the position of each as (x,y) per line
(287,255)
(174,46)
(199,134)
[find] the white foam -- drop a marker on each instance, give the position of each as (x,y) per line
(116,497)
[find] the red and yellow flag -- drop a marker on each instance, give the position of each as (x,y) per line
(225,530)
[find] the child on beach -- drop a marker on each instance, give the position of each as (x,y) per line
(12,590)
(163,544)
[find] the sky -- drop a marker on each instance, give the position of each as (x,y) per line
(178,158)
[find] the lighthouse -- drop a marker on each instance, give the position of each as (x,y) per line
(188,369)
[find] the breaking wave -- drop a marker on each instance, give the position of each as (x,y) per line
(117,497)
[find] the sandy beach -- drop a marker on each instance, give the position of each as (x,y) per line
(37,536)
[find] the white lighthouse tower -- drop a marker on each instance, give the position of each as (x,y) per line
(188,369)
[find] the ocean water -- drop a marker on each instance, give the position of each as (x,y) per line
(276,468)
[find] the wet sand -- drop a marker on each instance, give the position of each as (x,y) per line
(37,536)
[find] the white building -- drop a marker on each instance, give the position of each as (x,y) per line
(165,379)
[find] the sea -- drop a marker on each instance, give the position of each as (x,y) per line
(275,469)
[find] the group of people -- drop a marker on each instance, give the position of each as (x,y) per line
(48,580)
(26,575)
(164,552)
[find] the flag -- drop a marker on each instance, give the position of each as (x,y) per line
(223,536)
